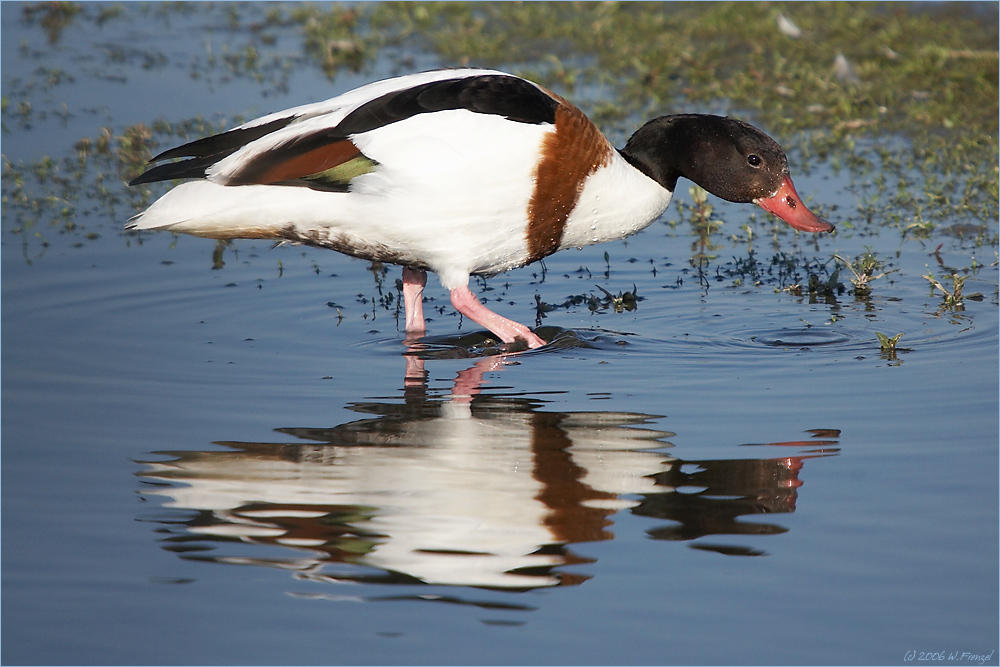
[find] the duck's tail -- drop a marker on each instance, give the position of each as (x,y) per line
(204,208)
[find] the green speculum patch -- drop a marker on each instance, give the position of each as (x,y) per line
(341,175)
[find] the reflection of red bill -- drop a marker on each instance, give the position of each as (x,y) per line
(787,205)
(804,444)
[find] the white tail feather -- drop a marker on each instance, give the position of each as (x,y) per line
(204,208)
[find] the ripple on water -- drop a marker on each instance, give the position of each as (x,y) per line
(805,337)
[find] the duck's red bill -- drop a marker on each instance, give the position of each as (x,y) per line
(787,205)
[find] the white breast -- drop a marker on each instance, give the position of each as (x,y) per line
(617,201)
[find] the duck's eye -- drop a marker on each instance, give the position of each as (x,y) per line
(754,160)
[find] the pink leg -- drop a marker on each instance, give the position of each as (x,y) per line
(416,374)
(469,383)
(413,299)
(466,303)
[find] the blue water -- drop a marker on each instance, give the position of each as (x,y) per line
(213,465)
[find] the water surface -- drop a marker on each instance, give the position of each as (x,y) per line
(233,455)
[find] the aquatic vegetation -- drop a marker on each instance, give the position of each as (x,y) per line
(623,301)
(827,289)
(863,267)
(54,17)
(889,348)
(953,299)
(887,344)
(785,270)
(703,225)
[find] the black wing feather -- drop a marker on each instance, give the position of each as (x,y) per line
(192,168)
(205,152)
(225,142)
(499,94)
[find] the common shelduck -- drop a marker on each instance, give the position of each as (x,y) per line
(460,172)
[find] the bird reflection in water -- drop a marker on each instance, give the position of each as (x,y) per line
(473,489)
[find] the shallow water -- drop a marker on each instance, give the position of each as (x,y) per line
(213,464)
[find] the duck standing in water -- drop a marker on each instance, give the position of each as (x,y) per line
(460,172)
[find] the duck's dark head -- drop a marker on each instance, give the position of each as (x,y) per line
(727,157)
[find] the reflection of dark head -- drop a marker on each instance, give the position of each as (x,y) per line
(710,498)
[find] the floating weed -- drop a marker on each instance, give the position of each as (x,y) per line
(134,150)
(622,301)
(54,17)
(340,315)
(921,229)
(746,268)
(701,212)
(887,344)
(826,289)
(889,348)
(703,225)
(618,303)
(863,267)
(88,181)
(333,36)
(953,299)
(785,270)
(541,308)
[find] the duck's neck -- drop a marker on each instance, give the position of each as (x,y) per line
(662,149)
